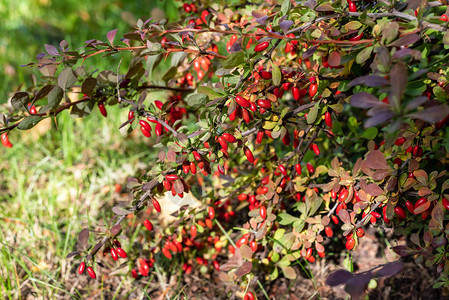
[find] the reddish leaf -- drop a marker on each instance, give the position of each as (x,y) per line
(244,269)
(432,114)
(111,35)
(374,190)
(376,160)
(403,251)
(344,216)
(334,59)
(369,80)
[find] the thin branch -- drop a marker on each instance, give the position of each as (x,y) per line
(159,87)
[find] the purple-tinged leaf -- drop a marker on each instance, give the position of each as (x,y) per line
(376,160)
(369,80)
(236,47)
(244,269)
(406,40)
(43,92)
(120,211)
(111,35)
(71,254)
(63,45)
(178,186)
(365,100)
(407,51)
(150,185)
(51,50)
(262,20)
(285,25)
(309,52)
(415,103)
(83,237)
(398,80)
(66,78)
(381,116)
(258,14)
(356,285)
(338,277)
(381,174)
(432,114)
(390,269)
(116,229)
(404,251)
(439,241)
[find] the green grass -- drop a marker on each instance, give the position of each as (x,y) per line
(51,188)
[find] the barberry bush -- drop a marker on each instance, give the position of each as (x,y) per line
(287,129)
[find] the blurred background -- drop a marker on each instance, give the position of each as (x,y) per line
(55,182)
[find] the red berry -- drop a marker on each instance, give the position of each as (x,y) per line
(343,195)
(242,197)
(134,273)
(310,168)
(193,231)
(216,265)
(122,253)
(145,125)
(249,155)
(196,155)
(81,268)
(242,101)
(223,143)
(145,132)
(328,231)
(171,177)
(211,212)
(409,206)
(360,232)
(264,103)
(311,259)
(229,137)
(192,167)
(328,119)
(242,241)
(400,212)
(114,254)
(352,7)
(102,109)
(263,212)
(5,140)
(158,129)
(400,141)
(334,219)
(249,296)
(350,243)
(308,253)
(313,89)
(315,149)
(91,272)
(158,104)
(444,18)
(148,225)
(298,169)
(261,47)
(282,170)
(356,38)
(131,116)
(166,253)
(156,205)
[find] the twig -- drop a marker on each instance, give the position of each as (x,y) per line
(159,87)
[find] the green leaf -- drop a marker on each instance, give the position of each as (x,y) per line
(20,100)
(66,78)
(54,97)
(170,74)
(352,124)
(29,122)
(439,93)
(279,234)
(88,86)
(353,25)
(285,7)
(289,272)
(197,100)
(311,116)
(363,55)
(369,133)
(276,74)
(234,60)
(152,62)
(285,218)
(210,92)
